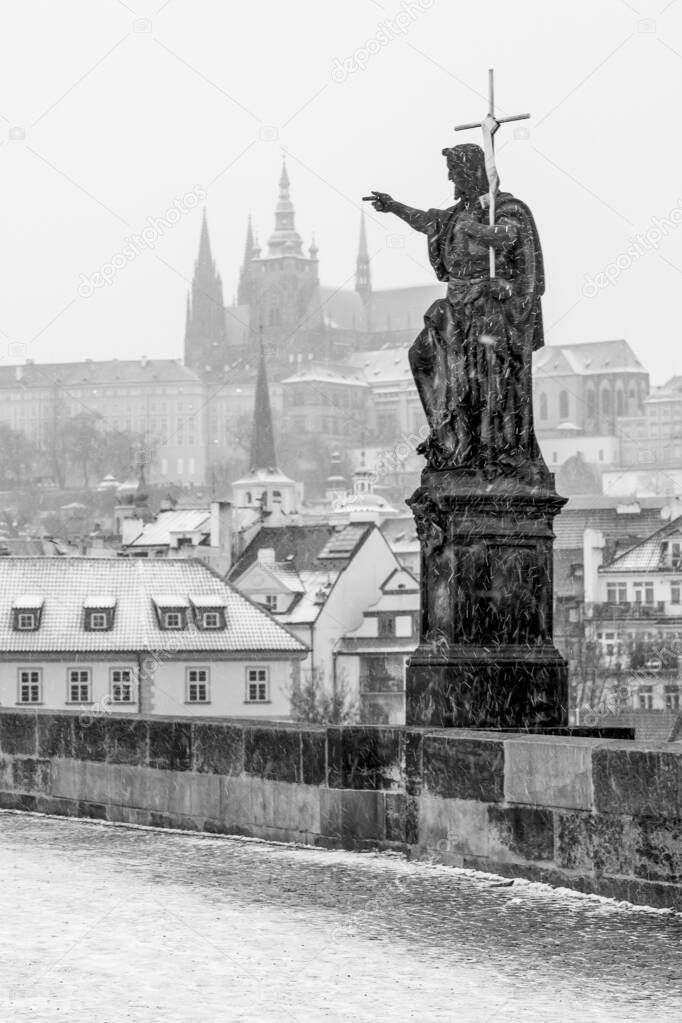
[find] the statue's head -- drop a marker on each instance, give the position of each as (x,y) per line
(466,170)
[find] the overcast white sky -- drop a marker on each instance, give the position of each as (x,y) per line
(126,106)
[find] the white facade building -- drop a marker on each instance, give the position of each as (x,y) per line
(152,637)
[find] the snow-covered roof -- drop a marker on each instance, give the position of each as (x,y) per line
(174,521)
(138,586)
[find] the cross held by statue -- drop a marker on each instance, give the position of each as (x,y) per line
(489,126)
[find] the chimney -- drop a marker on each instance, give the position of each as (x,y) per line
(266,555)
(130,527)
(143,361)
(593,556)
(18,373)
(221,526)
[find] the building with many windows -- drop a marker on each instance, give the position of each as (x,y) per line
(150,637)
(587,387)
(633,618)
(373,657)
(160,401)
(318,581)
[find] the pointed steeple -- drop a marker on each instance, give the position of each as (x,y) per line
(284,180)
(285,240)
(313,251)
(251,252)
(205,319)
(262,435)
(205,258)
(249,246)
(363,276)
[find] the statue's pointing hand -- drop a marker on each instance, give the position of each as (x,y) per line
(381,201)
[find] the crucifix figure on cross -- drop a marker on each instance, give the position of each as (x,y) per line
(489,126)
(472,361)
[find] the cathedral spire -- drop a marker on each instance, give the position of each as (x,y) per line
(250,246)
(205,259)
(262,435)
(285,240)
(251,252)
(205,317)
(363,276)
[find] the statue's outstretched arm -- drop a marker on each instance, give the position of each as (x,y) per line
(419,220)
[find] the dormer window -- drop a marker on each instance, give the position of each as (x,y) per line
(27,612)
(209,611)
(173,620)
(171,612)
(99,612)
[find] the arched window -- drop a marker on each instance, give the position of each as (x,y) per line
(620,403)
(606,401)
(633,403)
(591,404)
(563,405)
(543,405)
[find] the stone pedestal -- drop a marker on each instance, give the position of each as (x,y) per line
(486,656)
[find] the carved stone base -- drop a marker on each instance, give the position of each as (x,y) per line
(487,688)
(486,656)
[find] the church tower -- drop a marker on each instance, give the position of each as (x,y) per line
(264,496)
(281,285)
(205,318)
(244,288)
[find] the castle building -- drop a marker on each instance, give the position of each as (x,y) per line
(157,400)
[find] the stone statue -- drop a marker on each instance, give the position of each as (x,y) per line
(472,360)
(487,501)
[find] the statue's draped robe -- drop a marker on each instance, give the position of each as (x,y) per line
(472,361)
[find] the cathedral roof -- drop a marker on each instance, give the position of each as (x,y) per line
(109,371)
(592,357)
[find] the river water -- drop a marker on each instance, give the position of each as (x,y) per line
(105,924)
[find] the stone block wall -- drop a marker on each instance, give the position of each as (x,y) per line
(597,815)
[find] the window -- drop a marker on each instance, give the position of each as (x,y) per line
(197,685)
(271,601)
(675,592)
(672,698)
(211,620)
(121,685)
(646,698)
(591,404)
(563,405)
(386,625)
(257,685)
(616,593)
(606,402)
(172,620)
(99,620)
(543,405)
(30,685)
(26,621)
(79,685)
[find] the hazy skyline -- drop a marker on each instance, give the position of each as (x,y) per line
(111,111)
